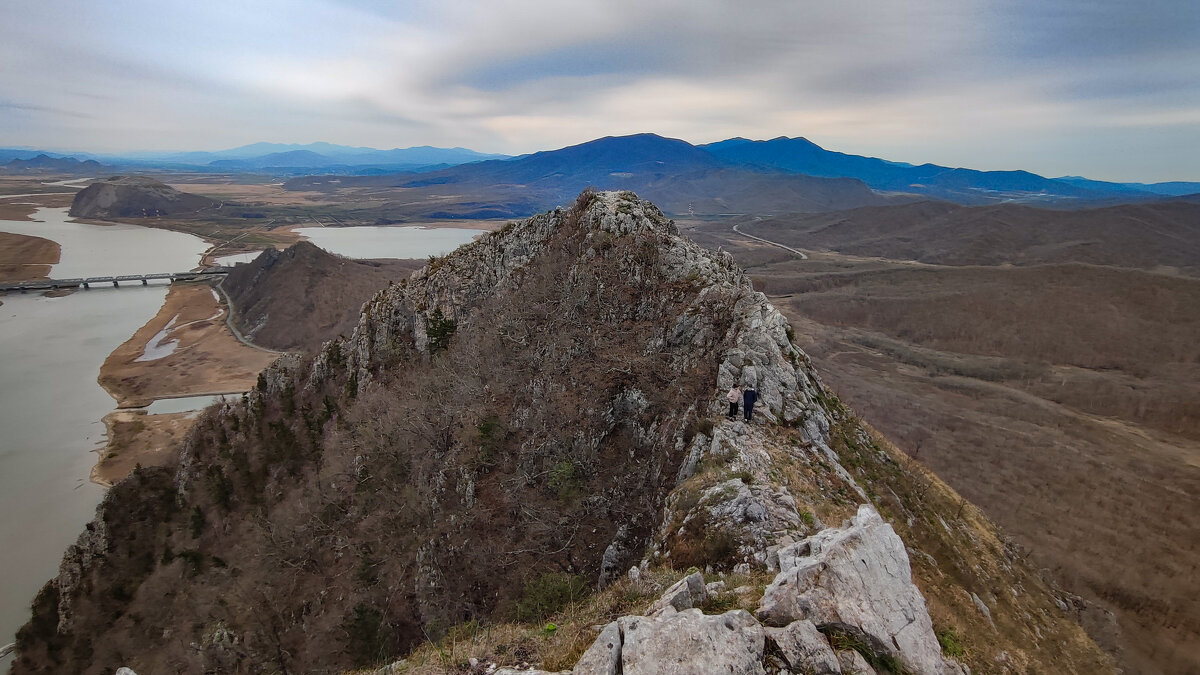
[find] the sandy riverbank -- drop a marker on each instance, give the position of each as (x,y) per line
(23,257)
(135,437)
(185,350)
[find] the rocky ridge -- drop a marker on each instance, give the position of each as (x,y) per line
(844,586)
(544,401)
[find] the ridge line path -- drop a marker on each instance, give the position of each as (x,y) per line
(803,256)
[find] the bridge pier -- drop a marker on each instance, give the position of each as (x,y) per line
(145,282)
(115,284)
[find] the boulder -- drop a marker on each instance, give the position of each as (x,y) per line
(853,663)
(683,594)
(804,648)
(604,656)
(690,642)
(857,578)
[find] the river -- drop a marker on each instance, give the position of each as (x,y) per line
(50,404)
(388,241)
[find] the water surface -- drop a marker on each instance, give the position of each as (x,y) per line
(388,242)
(51,407)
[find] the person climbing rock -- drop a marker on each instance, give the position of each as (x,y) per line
(749,396)
(734,396)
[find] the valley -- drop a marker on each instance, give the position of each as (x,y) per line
(1060,397)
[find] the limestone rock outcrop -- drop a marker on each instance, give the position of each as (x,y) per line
(857,579)
(853,581)
(804,648)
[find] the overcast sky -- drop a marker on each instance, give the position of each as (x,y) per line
(1104,88)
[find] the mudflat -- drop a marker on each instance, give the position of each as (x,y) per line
(185,350)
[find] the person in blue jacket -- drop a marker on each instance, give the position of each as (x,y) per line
(749,396)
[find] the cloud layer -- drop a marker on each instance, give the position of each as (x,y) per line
(1103,88)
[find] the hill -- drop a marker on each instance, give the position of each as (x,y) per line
(1145,236)
(296,299)
(135,197)
(523,423)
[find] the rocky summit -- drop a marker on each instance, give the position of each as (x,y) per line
(520,459)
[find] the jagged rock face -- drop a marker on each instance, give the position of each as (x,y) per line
(522,406)
(860,573)
(135,197)
(857,578)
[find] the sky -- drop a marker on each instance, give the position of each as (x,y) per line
(1109,89)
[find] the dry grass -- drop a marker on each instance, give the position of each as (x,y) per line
(956,550)
(574,628)
(1074,489)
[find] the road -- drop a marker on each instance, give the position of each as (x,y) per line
(789,249)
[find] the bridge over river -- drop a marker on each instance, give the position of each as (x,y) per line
(88,282)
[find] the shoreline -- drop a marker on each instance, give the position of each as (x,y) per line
(185,350)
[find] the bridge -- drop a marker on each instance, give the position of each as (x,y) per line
(88,282)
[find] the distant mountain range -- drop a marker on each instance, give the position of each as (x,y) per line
(963,186)
(43,163)
(778,174)
(280,159)
(733,176)
(676,175)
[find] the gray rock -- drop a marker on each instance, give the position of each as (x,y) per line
(125,671)
(715,587)
(853,663)
(858,578)
(617,553)
(804,648)
(983,608)
(689,642)
(604,656)
(683,594)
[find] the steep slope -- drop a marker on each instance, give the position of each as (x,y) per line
(135,196)
(539,404)
(296,299)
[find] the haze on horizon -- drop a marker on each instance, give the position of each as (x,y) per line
(1105,89)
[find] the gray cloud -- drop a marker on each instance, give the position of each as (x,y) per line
(1021,84)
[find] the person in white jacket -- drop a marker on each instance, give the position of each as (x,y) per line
(734,396)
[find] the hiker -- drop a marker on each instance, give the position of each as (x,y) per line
(734,395)
(749,396)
